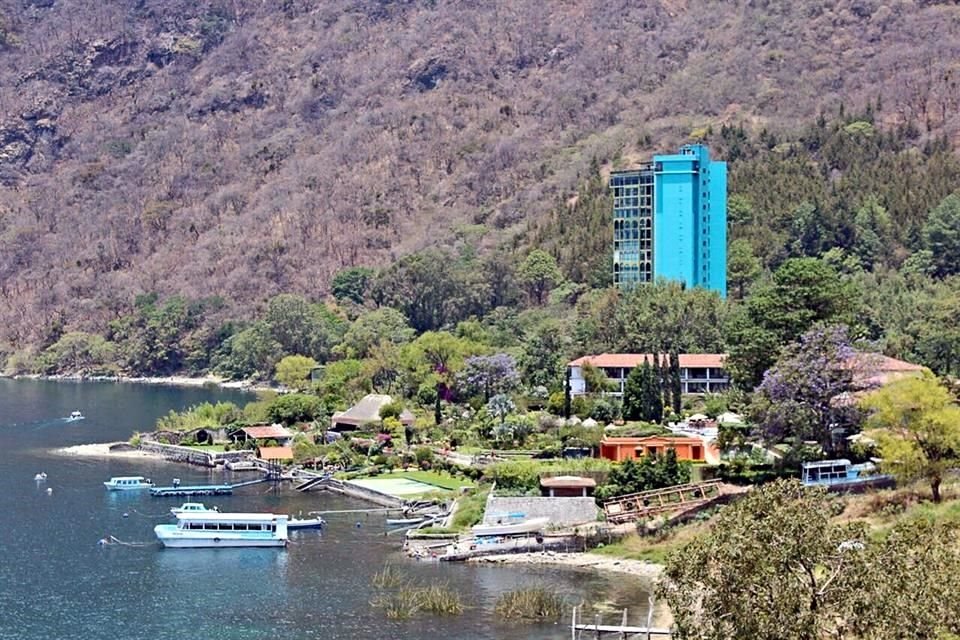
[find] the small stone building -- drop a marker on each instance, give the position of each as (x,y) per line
(567,487)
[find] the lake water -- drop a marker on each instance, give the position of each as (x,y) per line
(56,582)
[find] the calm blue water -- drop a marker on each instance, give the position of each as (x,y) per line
(56,582)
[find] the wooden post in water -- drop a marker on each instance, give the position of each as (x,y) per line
(650,603)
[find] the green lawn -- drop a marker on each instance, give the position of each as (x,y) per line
(442,480)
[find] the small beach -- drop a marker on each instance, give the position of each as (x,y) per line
(102,450)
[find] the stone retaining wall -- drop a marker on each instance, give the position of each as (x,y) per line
(191,455)
(561,511)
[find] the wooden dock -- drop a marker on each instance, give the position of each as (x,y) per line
(682,497)
(580,629)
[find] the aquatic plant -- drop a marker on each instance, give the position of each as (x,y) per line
(533,603)
(387,578)
(401,604)
(440,599)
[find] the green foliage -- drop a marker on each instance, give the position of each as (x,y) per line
(831,580)
(292,408)
(641,396)
(941,236)
(918,424)
(351,284)
(250,353)
(78,352)
(199,416)
(372,329)
(539,274)
(294,371)
(803,291)
(651,472)
(530,604)
(300,327)
(470,508)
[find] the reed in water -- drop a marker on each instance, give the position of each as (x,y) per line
(533,603)
(402,598)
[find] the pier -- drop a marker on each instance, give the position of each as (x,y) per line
(580,629)
(202,490)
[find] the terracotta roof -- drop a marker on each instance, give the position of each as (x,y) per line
(568,482)
(630,360)
(275,453)
(885,364)
(269,432)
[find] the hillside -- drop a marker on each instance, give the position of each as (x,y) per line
(241,148)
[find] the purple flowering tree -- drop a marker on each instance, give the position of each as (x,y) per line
(488,376)
(806,395)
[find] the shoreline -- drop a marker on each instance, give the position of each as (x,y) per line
(102,450)
(577,560)
(173,381)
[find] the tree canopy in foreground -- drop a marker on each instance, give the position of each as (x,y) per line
(777,566)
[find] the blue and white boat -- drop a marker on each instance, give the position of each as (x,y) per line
(127,483)
(842,475)
(205,529)
(191,507)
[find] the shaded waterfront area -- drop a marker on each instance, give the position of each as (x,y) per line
(55,582)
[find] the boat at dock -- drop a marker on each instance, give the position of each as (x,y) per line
(532,525)
(306,523)
(395,522)
(191,507)
(127,483)
(212,529)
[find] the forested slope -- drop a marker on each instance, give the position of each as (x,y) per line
(240,148)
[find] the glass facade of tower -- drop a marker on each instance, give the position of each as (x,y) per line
(670,221)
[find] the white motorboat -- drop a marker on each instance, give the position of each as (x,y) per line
(507,528)
(76,415)
(190,507)
(40,477)
(128,483)
(306,523)
(205,529)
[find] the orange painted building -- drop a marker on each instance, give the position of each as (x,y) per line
(687,448)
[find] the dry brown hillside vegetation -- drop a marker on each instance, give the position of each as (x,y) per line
(244,148)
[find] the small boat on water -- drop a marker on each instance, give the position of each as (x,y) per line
(40,477)
(206,529)
(306,523)
(532,525)
(128,483)
(76,415)
(190,507)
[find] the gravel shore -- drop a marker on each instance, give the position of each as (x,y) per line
(577,560)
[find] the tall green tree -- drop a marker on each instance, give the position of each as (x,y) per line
(743,268)
(775,565)
(918,424)
(803,291)
(351,284)
(941,235)
(539,273)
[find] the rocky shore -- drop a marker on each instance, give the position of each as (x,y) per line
(578,560)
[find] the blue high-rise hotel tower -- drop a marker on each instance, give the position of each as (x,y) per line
(670,221)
